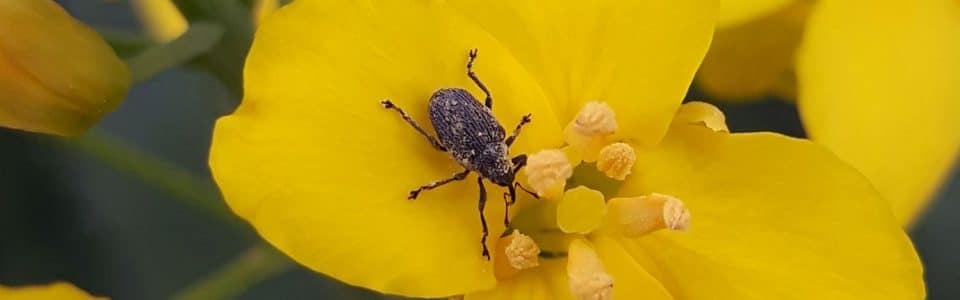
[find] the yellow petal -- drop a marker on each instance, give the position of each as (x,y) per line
(807,227)
(736,12)
(546,282)
(631,281)
(880,86)
(322,170)
(637,56)
(549,281)
(754,59)
(57,75)
(56,290)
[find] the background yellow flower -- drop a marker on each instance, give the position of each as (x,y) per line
(877,82)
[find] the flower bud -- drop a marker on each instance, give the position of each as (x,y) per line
(161,18)
(57,75)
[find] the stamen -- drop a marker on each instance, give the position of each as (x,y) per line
(515,252)
(587,277)
(702,113)
(641,215)
(581,210)
(547,173)
(616,160)
(591,129)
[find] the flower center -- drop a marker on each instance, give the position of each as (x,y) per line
(593,165)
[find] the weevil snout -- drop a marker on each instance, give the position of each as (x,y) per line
(495,166)
(502,179)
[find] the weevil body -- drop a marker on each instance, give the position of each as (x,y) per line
(471,134)
(473,137)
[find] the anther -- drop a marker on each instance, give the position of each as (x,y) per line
(515,252)
(591,129)
(701,113)
(641,215)
(616,160)
(587,277)
(547,172)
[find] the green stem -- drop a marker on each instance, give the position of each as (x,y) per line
(125,43)
(198,40)
(191,189)
(253,266)
(225,60)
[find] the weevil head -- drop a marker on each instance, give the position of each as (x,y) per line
(494,165)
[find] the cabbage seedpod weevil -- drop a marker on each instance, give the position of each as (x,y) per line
(472,136)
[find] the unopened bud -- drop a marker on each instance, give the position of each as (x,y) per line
(161,18)
(57,75)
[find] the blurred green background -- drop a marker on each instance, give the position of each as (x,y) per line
(65,215)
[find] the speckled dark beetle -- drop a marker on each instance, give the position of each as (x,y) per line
(469,132)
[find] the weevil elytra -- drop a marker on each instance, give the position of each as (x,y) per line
(472,136)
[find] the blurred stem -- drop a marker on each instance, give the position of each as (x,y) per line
(190,189)
(225,60)
(199,39)
(253,266)
(125,43)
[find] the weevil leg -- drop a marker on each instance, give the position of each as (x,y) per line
(432,185)
(473,56)
(483,220)
(516,132)
(433,141)
(535,196)
(519,162)
(507,203)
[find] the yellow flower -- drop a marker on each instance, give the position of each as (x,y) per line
(56,290)
(56,75)
(322,171)
(877,82)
